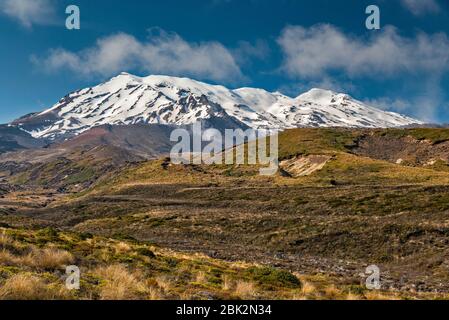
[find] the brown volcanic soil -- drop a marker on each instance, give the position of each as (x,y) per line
(146,141)
(77,163)
(403,150)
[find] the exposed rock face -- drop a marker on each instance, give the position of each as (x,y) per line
(304,165)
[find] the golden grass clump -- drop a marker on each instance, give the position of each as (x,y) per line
(122,247)
(308,288)
(8,259)
(155,293)
(25,286)
(5,240)
(51,258)
(376,295)
(201,277)
(119,283)
(164,283)
(352,296)
(245,290)
(227,283)
(332,292)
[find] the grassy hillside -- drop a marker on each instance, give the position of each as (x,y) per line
(345,166)
(341,201)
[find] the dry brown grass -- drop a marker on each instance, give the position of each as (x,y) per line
(119,283)
(308,288)
(332,292)
(122,247)
(7,259)
(228,283)
(28,287)
(155,293)
(186,295)
(352,296)
(50,258)
(245,290)
(37,274)
(376,295)
(164,283)
(298,296)
(201,277)
(5,240)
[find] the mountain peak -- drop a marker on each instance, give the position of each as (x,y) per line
(126,76)
(157,99)
(316,94)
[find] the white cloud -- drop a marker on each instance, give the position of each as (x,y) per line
(29,12)
(165,53)
(419,7)
(322,49)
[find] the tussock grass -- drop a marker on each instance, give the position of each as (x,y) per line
(50,258)
(308,288)
(164,282)
(122,247)
(117,283)
(25,286)
(245,290)
(228,283)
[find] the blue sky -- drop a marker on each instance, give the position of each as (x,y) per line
(285,45)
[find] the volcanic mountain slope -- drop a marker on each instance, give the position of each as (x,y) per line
(13,138)
(86,157)
(146,141)
(128,99)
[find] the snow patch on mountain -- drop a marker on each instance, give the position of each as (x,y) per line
(128,99)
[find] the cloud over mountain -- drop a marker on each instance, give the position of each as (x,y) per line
(321,49)
(161,52)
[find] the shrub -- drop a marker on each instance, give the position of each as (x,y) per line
(275,277)
(146,252)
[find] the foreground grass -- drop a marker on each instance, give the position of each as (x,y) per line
(32,267)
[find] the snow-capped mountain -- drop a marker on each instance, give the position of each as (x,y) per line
(128,99)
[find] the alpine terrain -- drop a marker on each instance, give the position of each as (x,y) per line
(128,99)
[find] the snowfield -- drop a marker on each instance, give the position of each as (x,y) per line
(128,99)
